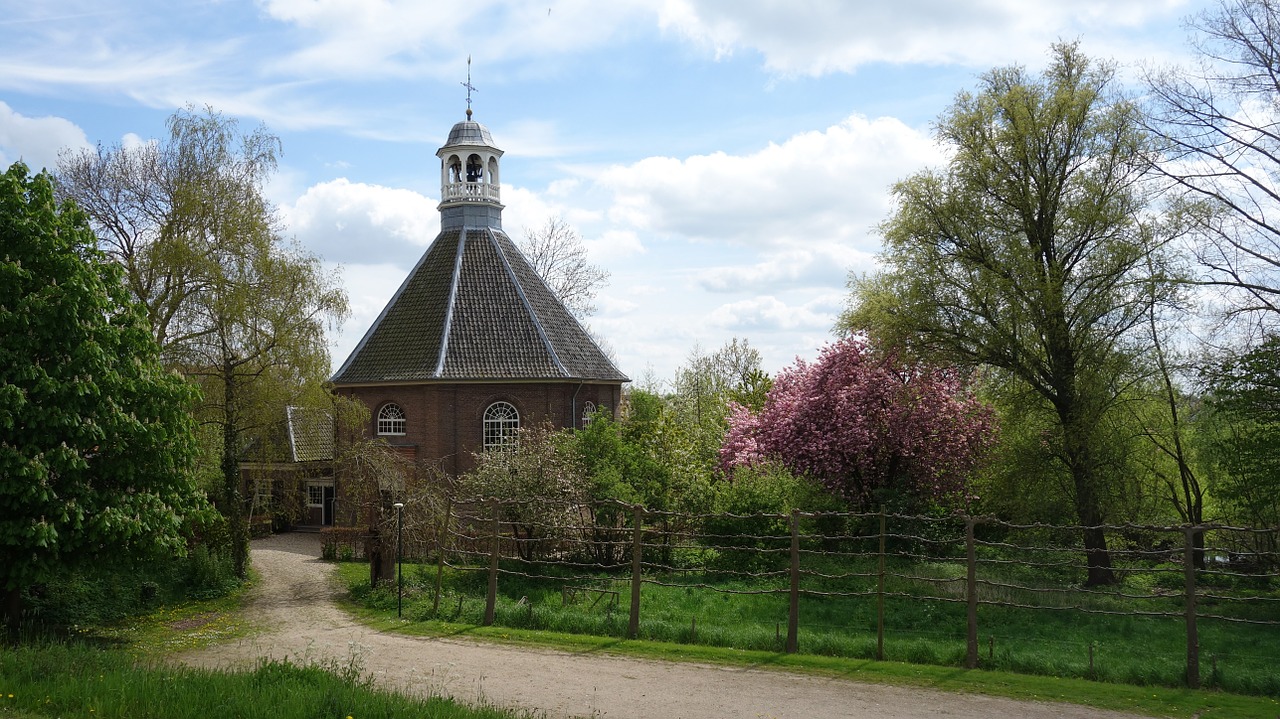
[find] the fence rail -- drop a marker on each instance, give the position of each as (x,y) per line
(975,561)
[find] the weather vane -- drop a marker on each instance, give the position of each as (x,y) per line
(470,88)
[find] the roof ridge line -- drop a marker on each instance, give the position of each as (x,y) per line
(288,423)
(453,296)
(528,306)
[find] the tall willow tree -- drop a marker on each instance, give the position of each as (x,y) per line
(1025,253)
(235,307)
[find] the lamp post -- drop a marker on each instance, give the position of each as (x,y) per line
(399,559)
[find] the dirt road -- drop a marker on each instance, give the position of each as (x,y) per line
(294,601)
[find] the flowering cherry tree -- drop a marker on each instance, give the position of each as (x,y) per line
(862,422)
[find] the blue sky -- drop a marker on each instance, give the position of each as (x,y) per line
(726,161)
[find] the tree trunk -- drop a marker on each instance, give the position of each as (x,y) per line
(237,522)
(1089,513)
(1077,430)
(12,610)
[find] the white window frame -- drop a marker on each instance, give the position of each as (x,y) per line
(588,409)
(391,418)
(314,490)
(501,425)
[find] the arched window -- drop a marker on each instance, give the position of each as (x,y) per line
(588,409)
(391,419)
(501,423)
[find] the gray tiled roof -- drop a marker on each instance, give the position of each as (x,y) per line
(473,309)
(310,434)
(469,132)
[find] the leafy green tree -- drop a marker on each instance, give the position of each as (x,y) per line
(1026,254)
(96,437)
(1169,432)
(234,306)
(263,347)
(153,206)
(1242,431)
(539,481)
(705,387)
(681,479)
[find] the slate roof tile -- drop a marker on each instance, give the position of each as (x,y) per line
(474,309)
(310,434)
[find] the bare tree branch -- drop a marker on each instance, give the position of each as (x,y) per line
(558,256)
(1220,126)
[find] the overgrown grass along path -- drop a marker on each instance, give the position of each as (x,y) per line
(76,679)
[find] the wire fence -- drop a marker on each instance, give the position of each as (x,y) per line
(608,551)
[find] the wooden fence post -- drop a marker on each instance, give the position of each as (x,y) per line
(637,552)
(1193,639)
(971,592)
(491,599)
(441,542)
(793,615)
(880,594)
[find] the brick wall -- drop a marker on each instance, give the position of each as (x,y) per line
(444,422)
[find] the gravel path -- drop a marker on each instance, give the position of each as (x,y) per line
(294,605)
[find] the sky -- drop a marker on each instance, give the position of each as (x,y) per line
(727,162)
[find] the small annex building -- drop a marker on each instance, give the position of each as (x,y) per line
(474,345)
(287,473)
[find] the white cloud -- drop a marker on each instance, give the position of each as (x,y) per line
(407,38)
(36,140)
(614,306)
(614,245)
(768,313)
(799,267)
(526,209)
(357,223)
(816,37)
(369,288)
(817,186)
(134,141)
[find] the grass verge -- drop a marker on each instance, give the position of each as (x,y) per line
(178,628)
(74,679)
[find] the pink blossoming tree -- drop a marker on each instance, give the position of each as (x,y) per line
(866,424)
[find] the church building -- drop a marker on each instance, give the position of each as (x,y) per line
(474,345)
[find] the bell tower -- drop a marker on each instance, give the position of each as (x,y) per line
(470,191)
(473,343)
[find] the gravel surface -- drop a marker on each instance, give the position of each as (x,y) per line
(301,622)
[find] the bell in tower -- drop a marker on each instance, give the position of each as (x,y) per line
(470,194)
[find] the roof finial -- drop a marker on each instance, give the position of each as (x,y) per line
(470,88)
